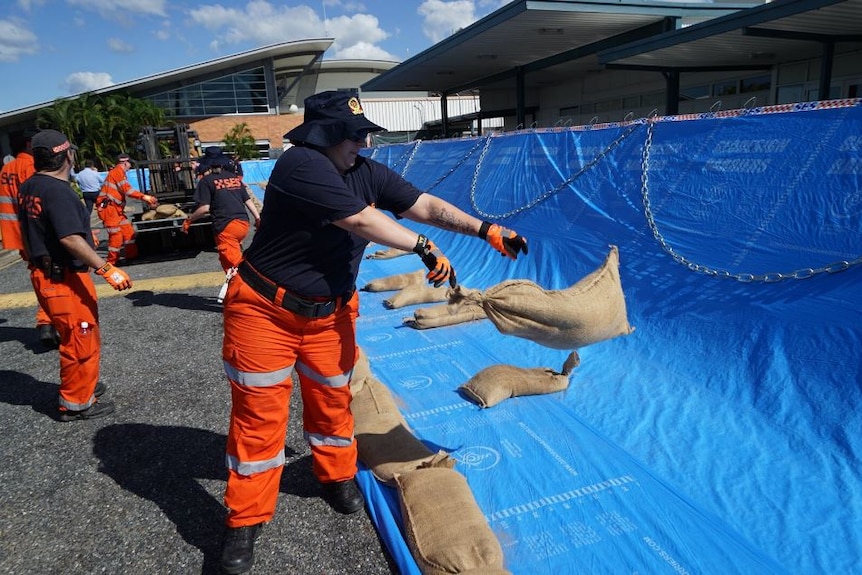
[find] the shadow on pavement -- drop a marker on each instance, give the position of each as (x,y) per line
(21,389)
(176,300)
(164,464)
(27,336)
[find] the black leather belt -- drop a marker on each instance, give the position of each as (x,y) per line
(291,302)
(56,270)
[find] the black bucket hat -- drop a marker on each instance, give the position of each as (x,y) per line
(330,118)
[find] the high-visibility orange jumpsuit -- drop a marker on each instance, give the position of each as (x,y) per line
(111,206)
(274,343)
(12,176)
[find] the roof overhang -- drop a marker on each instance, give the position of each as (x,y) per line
(782,31)
(548,40)
(287,58)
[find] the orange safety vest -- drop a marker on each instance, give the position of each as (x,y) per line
(12,176)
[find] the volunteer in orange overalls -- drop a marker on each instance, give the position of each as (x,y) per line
(12,176)
(55,227)
(293,306)
(111,208)
(222,194)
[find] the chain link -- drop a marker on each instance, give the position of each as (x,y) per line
(458,165)
(412,152)
(535,201)
(769,277)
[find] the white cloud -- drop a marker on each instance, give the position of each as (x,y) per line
(351,30)
(364,51)
(79,82)
(16,41)
(441,18)
(262,22)
(118,45)
(108,8)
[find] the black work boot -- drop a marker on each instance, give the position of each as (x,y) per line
(98,409)
(237,550)
(48,336)
(343,496)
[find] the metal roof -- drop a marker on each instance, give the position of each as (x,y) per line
(550,39)
(778,32)
(289,58)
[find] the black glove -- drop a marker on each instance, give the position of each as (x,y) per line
(507,242)
(435,261)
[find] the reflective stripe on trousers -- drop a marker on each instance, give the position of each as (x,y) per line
(263,345)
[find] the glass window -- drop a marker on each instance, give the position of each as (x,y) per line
(724,88)
(789,94)
(694,92)
(756,84)
(240,93)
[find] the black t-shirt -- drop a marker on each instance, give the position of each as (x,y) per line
(49,209)
(297,246)
(226,195)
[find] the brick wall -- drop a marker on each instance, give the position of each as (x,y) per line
(268,127)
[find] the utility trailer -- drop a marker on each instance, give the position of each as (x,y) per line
(167,173)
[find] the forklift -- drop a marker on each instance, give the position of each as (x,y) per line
(167,173)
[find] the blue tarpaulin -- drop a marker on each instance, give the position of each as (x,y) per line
(724,435)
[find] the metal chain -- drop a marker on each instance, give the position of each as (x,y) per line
(412,152)
(456,166)
(770,277)
(600,156)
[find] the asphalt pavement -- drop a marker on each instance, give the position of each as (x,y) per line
(140,491)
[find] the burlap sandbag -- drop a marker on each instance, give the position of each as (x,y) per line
(416,294)
(464,305)
(396,282)
(361,371)
(386,254)
(384,440)
(498,382)
(445,530)
(592,310)
(165,211)
(148,215)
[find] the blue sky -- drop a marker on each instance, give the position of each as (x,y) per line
(55,48)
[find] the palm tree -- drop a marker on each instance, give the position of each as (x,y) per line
(102,126)
(240,141)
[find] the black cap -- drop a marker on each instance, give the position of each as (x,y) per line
(51,140)
(330,118)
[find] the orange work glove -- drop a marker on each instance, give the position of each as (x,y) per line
(187,225)
(507,242)
(436,262)
(151,200)
(118,279)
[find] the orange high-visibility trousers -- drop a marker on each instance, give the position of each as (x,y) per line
(69,303)
(121,233)
(229,243)
(263,345)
